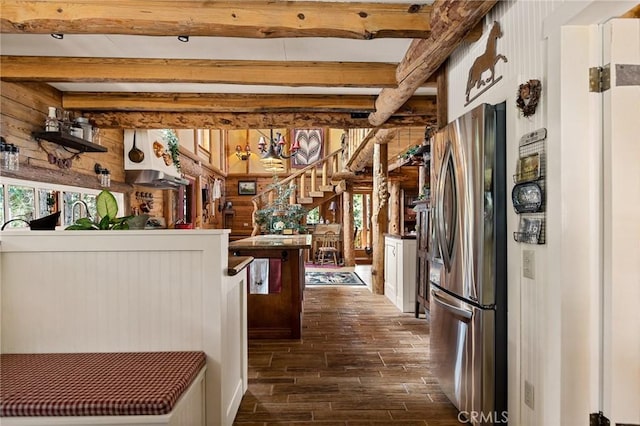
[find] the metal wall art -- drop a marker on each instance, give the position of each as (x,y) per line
(528,194)
(483,63)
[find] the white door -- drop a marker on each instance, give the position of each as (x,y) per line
(621,224)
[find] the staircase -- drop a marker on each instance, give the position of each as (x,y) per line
(310,187)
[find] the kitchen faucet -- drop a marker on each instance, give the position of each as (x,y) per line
(73,210)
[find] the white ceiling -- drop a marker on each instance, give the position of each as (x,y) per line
(279,49)
(221,48)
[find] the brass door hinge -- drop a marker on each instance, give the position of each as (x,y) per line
(599,79)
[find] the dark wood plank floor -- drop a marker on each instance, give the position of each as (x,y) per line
(359,362)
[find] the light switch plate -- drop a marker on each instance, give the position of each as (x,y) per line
(529,264)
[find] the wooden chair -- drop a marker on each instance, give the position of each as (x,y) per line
(328,246)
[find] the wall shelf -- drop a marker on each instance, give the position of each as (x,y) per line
(69,141)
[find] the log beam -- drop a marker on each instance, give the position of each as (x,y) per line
(348,249)
(451,21)
(254,19)
(394,204)
(210,102)
(364,154)
(229,121)
(443,95)
(203,71)
(379,219)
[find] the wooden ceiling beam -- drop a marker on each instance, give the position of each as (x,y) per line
(209,102)
(253,19)
(451,21)
(278,73)
(364,155)
(207,120)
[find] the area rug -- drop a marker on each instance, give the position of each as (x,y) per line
(332,278)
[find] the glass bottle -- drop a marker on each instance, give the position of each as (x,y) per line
(3,154)
(105,178)
(14,161)
(51,123)
(6,163)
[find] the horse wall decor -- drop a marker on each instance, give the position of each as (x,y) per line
(485,62)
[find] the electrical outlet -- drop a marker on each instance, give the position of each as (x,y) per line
(529,264)
(245,224)
(528,394)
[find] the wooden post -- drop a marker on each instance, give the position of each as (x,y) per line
(442,102)
(302,190)
(292,195)
(314,184)
(198,219)
(394,211)
(422,178)
(325,172)
(348,250)
(380,214)
(167,203)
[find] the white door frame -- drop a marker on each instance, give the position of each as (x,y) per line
(582,261)
(621,250)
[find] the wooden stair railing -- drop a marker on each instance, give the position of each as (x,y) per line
(306,185)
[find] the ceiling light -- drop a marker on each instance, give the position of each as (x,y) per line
(183,38)
(57,36)
(276,149)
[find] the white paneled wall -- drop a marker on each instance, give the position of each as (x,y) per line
(554,317)
(531,306)
(104,301)
(117,291)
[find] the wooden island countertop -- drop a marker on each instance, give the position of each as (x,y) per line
(284,242)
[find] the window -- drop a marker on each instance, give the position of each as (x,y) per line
(28,200)
(204,139)
(362,220)
(21,204)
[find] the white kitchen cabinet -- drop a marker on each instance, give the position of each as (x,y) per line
(400,271)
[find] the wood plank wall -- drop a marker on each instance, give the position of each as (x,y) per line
(242,223)
(23,109)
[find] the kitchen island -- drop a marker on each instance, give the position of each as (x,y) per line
(276,284)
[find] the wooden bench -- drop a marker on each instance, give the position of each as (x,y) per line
(142,388)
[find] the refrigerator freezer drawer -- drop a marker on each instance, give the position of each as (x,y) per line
(462,352)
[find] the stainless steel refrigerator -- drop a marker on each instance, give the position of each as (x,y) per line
(468,268)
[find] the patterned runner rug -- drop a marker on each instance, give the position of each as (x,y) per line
(332,278)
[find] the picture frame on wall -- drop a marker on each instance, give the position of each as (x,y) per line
(247,187)
(311,143)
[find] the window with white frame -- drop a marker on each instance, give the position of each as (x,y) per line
(28,200)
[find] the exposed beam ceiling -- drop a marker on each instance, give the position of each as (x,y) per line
(97,101)
(206,120)
(253,19)
(450,22)
(278,73)
(115,46)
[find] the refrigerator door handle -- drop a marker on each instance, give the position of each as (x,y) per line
(440,228)
(464,313)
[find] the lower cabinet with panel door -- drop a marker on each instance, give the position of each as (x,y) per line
(400,271)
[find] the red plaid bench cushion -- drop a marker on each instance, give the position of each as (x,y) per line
(95,384)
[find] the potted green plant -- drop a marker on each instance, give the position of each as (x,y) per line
(280,215)
(107,208)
